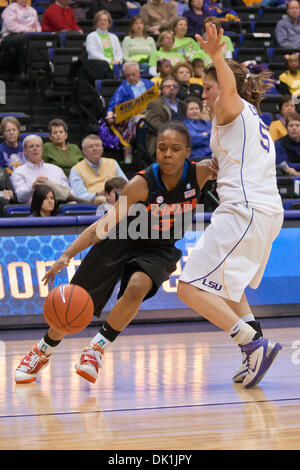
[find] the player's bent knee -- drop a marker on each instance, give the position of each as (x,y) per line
(138,286)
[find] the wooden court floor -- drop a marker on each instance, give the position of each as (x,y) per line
(167,387)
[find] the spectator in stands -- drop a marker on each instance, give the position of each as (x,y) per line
(87,178)
(288,147)
(183,44)
(7,194)
(11,150)
(195,16)
(18,18)
(59,152)
(287,31)
(164,69)
(166,108)
(183,74)
(277,127)
(137,45)
(165,42)
(112,189)
(132,87)
(228,48)
(103,48)
(117,9)
(81,9)
(198,67)
(43,203)
(59,16)
(158,16)
(34,172)
(289,81)
(199,129)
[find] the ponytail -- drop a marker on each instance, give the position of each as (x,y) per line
(250,87)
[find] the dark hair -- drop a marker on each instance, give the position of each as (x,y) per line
(56,123)
(38,197)
(292,117)
(114,183)
(192,99)
(250,87)
(166,79)
(132,21)
(178,127)
(284,99)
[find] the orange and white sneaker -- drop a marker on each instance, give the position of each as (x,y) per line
(89,363)
(30,365)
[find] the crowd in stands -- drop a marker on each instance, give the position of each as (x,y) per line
(158,58)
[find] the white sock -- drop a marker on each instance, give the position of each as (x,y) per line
(44,347)
(100,340)
(249,317)
(242,333)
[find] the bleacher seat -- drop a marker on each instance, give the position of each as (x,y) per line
(277,69)
(77,209)
(73,39)
(248,53)
(277,54)
(285,186)
(247,27)
(235,38)
(17,210)
(61,61)
(263,26)
(273,14)
(291,204)
(270,104)
(257,40)
(267,118)
(106,89)
(120,26)
(248,13)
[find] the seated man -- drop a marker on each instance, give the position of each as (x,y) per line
(59,16)
(132,87)
(112,190)
(34,171)
(87,178)
(165,108)
(288,147)
(7,194)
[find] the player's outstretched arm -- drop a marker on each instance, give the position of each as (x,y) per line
(229,104)
(135,190)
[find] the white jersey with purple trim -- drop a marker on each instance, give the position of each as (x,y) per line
(246,156)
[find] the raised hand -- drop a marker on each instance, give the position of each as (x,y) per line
(213,44)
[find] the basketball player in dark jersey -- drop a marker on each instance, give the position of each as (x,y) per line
(133,243)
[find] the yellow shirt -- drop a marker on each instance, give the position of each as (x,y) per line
(292,81)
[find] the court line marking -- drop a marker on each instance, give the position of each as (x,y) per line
(123,410)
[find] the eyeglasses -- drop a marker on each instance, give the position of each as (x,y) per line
(170,86)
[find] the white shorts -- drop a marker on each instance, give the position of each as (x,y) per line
(233,251)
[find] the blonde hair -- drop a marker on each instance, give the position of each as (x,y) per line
(11,120)
(100,13)
(162,36)
(250,87)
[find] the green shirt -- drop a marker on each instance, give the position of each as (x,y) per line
(173,57)
(138,49)
(200,54)
(65,159)
(186,46)
(107,46)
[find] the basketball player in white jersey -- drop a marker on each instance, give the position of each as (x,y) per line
(234,249)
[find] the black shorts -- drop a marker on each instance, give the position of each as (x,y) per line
(110,261)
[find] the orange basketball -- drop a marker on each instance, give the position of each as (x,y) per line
(68,308)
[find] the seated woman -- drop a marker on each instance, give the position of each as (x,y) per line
(183,73)
(277,127)
(164,69)
(59,152)
(228,48)
(288,147)
(165,42)
(11,150)
(43,203)
(138,45)
(198,68)
(183,44)
(103,48)
(199,129)
(289,81)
